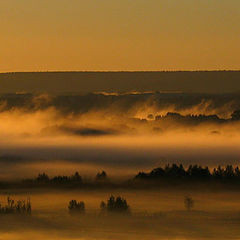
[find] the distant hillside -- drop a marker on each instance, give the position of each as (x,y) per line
(84,82)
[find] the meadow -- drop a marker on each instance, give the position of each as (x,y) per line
(155,214)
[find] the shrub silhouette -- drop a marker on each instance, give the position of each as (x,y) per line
(75,207)
(16,207)
(189,203)
(76,177)
(101,176)
(235,116)
(117,205)
(42,177)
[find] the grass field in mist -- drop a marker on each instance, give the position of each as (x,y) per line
(154,215)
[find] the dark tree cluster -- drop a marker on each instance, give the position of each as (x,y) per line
(44,179)
(16,207)
(115,205)
(235,116)
(193,172)
(189,203)
(75,207)
(189,118)
(101,177)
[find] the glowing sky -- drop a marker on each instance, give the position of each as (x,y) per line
(119,34)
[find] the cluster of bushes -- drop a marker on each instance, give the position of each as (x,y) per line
(116,205)
(113,205)
(18,207)
(193,172)
(44,179)
(76,207)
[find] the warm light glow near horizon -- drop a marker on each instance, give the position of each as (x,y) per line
(67,35)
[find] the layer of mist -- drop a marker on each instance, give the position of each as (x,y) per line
(154,214)
(121,133)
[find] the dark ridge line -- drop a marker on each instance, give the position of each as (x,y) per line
(128,71)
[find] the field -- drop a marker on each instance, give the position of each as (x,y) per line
(154,214)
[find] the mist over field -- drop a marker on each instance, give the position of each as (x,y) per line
(54,145)
(119,132)
(119,120)
(154,214)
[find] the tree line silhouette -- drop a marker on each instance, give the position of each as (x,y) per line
(193,172)
(191,118)
(175,173)
(43,178)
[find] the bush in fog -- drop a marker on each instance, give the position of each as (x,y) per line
(189,203)
(101,176)
(76,207)
(16,207)
(44,179)
(115,204)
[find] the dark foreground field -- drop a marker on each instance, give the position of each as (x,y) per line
(154,215)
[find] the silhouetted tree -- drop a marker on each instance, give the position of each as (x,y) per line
(189,203)
(117,205)
(76,207)
(42,177)
(103,207)
(101,176)
(229,172)
(76,177)
(235,115)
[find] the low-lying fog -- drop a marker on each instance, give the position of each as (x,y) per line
(154,215)
(118,133)
(53,136)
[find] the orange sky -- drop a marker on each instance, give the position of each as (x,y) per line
(39,35)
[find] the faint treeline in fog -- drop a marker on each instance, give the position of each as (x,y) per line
(169,176)
(194,173)
(135,104)
(118,132)
(107,115)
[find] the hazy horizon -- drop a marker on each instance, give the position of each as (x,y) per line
(119,119)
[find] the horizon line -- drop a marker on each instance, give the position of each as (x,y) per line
(117,71)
